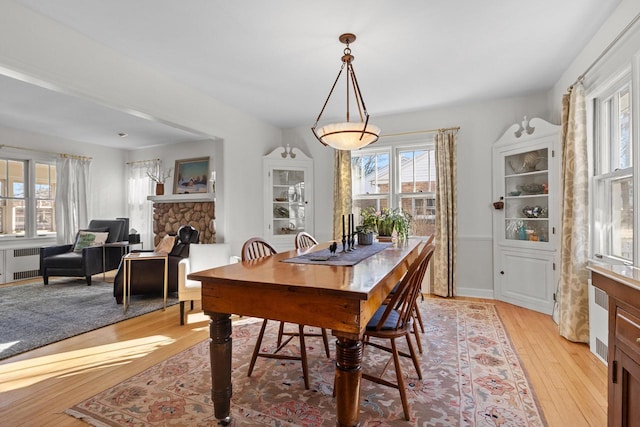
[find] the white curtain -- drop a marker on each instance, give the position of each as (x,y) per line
(139,209)
(72,196)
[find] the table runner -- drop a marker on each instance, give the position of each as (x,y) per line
(345,259)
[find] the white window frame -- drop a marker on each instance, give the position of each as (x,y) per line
(605,177)
(393,150)
(30,202)
(376,196)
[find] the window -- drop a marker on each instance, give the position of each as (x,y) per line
(417,185)
(399,177)
(613,201)
(27,194)
(370,180)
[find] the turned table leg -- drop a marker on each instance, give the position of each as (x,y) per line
(348,378)
(220,354)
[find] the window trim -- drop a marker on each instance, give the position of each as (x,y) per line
(393,148)
(601,90)
(30,159)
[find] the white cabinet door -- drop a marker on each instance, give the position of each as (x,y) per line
(526,278)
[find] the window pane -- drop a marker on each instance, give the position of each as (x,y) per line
(45,198)
(358,205)
(423,212)
(15,217)
(15,178)
(622,218)
(624,129)
(45,216)
(12,193)
(44,188)
(370,173)
(417,171)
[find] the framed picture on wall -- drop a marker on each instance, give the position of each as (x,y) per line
(191,176)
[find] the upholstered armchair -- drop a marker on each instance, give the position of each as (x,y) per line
(76,261)
(201,257)
(147,277)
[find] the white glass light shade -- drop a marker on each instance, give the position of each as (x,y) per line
(346,135)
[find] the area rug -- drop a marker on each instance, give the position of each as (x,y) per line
(471,377)
(33,315)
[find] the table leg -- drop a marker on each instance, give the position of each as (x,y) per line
(220,354)
(348,378)
(125,284)
(166,278)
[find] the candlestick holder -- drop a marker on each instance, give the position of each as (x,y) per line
(344,243)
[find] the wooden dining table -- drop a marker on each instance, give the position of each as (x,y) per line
(340,298)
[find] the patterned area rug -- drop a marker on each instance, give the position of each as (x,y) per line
(471,377)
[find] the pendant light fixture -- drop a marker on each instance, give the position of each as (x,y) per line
(347,135)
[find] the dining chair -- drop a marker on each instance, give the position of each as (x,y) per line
(304,240)
(416,310)
(255,248)
(395,320)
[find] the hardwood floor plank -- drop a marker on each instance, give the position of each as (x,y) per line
(37,386)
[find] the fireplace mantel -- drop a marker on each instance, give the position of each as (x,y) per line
(182,198)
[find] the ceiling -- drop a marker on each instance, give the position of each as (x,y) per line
(278,59)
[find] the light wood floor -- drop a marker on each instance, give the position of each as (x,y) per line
(36,387)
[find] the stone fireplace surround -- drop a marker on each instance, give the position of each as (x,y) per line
(172,212)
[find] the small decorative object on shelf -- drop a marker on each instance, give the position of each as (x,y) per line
(159,177)
(531,188)
(212,180)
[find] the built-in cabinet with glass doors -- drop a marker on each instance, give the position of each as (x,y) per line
(288,199)
(526,233)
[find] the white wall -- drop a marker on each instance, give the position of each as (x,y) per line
(611,62)
(41,49)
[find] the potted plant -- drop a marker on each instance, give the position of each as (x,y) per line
(159,178)
(367,226)
(393,219)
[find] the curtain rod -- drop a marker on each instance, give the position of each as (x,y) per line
(142,161)
(413,132)
(606,50)
(71,156)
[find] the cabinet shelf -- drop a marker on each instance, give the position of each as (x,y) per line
(524,218)
(527,196)
(520,175)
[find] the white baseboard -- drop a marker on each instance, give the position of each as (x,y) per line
(475,293)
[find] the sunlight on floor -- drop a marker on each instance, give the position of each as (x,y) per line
(27,372)
(7,345)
